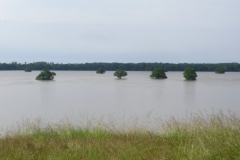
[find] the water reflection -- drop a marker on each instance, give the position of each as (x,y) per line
(189,93)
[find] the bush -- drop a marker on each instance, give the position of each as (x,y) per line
(120,73)
(46,75)
(28,70)
(100,71)
(158,73)
(220,70)
(189,74)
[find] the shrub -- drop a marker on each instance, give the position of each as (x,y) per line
(189,74)
(158,73)
(120,73)
(46,75)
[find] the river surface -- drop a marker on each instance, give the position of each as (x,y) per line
(78,93)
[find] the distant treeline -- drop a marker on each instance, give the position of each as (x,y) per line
(235,67)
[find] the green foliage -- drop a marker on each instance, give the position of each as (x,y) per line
(234,67)
(100,71)
(28,69)
(158,73)
(189,74)
(220,70)
(46,75)
(213,137)
(120,73)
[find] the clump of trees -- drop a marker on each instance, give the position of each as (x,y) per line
(120,73)
(28,69)
(158,73)
(220,70)
(189,74)
(46,75)
(100,71)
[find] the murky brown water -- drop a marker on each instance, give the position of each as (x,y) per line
(85,92)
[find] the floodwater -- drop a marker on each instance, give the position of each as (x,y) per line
(75,93)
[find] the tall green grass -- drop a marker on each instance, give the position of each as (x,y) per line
(199,137)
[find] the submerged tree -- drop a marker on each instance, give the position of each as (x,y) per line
(28,70)
(189,74)
(46,75)
(100,71)
(158,73)
(220,70)
(120,73)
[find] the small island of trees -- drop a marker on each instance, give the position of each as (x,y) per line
(100,71)
(189,74)
(158,73)
(46,75)
(28,70)
(120,73)
(220,70)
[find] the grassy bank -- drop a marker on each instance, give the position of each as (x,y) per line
(214,137)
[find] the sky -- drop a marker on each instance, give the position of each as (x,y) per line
(77,31)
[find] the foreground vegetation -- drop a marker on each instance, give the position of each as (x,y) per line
(213,137)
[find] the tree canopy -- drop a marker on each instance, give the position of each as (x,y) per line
(46,75)
(28,69)
(158,73)
(120,73)
(233,67)
(220,70)
(189,73)
(100,71)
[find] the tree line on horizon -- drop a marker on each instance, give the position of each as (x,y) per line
(232,67)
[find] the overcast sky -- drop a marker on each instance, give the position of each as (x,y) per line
(77,31)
